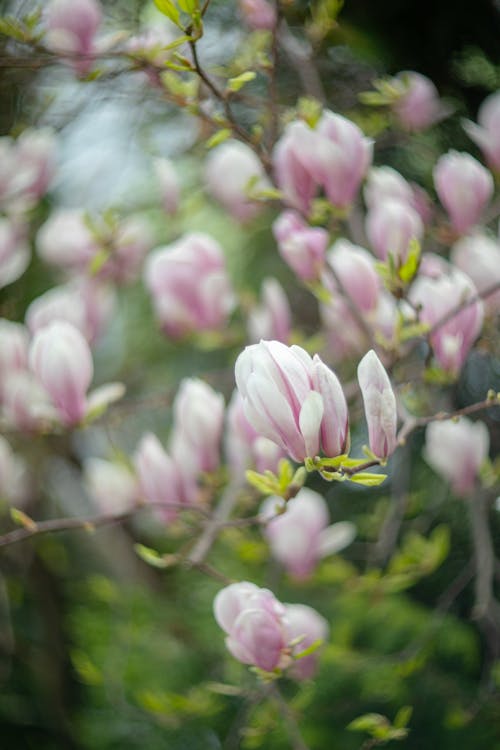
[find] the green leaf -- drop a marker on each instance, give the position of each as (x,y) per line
(370,723)
(236,83)
(22,519)
(98,261)
(12,28)
(170,10)
(151,556)
(218,137)
(188,6)
(262,483)
(368,479)
(309,650)
(410,267)
(402,717)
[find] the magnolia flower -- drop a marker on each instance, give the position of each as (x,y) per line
(159,481)
(355,270)
(478,256)
(390,227)
(383,183)
(111,485)
(418,106)
(14,345)
(301,536)
(380,405)
(15,483)
(271,319)
(295,401)
(72,26)
(305,627)
(486,134)
(301,246)
(464,188)
(168,182)
(14,251)
(258,14)
(456,450)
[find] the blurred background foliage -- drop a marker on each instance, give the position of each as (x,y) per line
(99,651)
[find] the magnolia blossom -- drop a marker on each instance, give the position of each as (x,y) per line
(272,318)
(301,246)
(442,292)
(380,405)
(295,401)
(111,485)
(26,405)
(14,251)
(306,626)
(198,421)
(293,174)
(383,183)
(168,183)
(189,284)
(27,167)
(418,106)
(464,188)
(72,26)
(66,240)
(456,450)
(355,271)
(390,226)
(486,134)
(230,171)
(15,483)
(478,256)
(159,481)
(258,14)
(301,536)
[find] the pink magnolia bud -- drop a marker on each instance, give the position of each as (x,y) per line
(300,536)
(440,294)
(199,417)
(189,285)
(307,626)
(266,455)
(486,134)
(464,188)
(344,334)
(301,246)
(258,14)
(14,251)
(230,171)
(390,226)
(168,183)
(26,405)
(61,360)
(271,319)
(254,622)
(66,241)
(385,183)
(380,405)
(355,271)
(14,344)
(71,29)
(15,483)
(112,486)
(293,400)
(478,256)
(293,174)
(456,450)
(158,477)
(35,157)
(419,105)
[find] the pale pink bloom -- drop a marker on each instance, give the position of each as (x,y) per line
(293,400)
(199,418)
(486,134)
(72,26)
(35,158)
(440,294)
(456,451)
(380,405)
(418,107)
(390,227)
(14,345)
(355,271)
(188,469)
(58,303)
(158,477)
(384,183)
(26,405)
(65,240)
(15,482)
(344,333)
(112,486)
(301,246)
(266,455)
(464,188)
(293,174)
(306,626)
(478,256)
(272,318)
(189,284)
(231,170)
(168,183)
(258,14)
(14,251)
(301,536)
(254,622)
(131,242)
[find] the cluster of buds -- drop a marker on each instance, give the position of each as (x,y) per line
(269,635)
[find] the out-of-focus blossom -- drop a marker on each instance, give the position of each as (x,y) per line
(306,626)
(189,285)
(231,169)
(15,483)
(112,486)
(199,418)
(355,271)
(272,318)
(486,134)
(418,107)
(158,477)
(26,406)
(148,46)
(390,226)
(295,401)
(301,246)
(133,239)
(72,26)
(343,331)
(168,182)
(478,256)
(65,240)
(385,183)
(14,251)
(445,291)
(380,405)
(294,176)
(26,168)
(464,188)
(258,14)
(301,536)
(456,450)
(14,345)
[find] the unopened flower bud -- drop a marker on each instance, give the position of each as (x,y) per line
(464,188)
(456,450)
(380,405)
(272,318)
